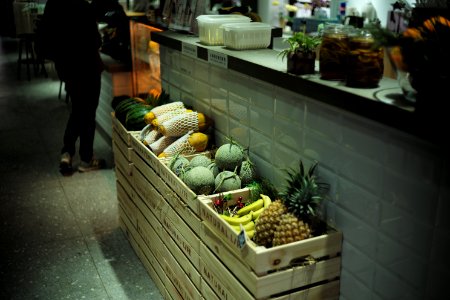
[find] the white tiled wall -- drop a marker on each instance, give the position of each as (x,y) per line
(389,192)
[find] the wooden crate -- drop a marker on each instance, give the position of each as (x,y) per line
(268,271)
(261,259)
(284,281)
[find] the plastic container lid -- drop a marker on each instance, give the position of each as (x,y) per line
(246,26)
(220,19)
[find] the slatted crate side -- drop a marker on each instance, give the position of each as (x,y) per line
(281,281)
(145,153)
(149,261)
(179,230)
(120,161)
(121,144)
(180,279)
(261,259)
(326,291)
(183,283)
(127,205)
(124,134)
(187,264)
(207,291)
(166,193)
(151,176)
(148,195)
(219,278)
(180,250)
(127,183)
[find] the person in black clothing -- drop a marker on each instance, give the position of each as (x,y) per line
(71,38)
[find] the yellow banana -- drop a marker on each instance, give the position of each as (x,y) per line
(236,221)
(250,233)
(266,200)
(258,212)
(249,226)
(248,208)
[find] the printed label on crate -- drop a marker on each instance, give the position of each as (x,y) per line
(212,218)
(177,282)
(189,50)
(180,240)
(218,59)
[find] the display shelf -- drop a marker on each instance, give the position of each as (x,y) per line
(145,58)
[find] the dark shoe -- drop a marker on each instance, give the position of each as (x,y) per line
(93,165)
(65,164)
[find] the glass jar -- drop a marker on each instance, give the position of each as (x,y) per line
(365,62)
(333,52)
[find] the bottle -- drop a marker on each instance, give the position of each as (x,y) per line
(365,62)
(333,52)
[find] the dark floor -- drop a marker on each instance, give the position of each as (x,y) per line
(60,237)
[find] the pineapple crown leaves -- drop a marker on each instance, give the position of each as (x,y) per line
(303,193)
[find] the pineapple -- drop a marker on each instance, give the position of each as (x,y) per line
(290,229)
(295,215)
(266,223)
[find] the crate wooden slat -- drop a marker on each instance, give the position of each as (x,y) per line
(325,291)
(124,134)
(127,183)
(259,258)
(126,149)
(144,152)
(120,160)
(128,206)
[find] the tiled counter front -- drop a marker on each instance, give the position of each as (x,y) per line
(389,190)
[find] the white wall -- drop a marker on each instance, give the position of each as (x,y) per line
(389,191)
(265,8)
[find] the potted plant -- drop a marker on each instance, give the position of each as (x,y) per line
(301,54)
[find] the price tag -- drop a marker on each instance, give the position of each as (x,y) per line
(242,237)
(189,50)
(218,59)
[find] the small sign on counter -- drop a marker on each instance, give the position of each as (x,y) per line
(189,50)
(218,59)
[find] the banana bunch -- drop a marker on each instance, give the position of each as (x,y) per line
(247,215)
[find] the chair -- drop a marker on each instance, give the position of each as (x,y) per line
(26,43)
(25,14)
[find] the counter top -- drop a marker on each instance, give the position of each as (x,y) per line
(384,104)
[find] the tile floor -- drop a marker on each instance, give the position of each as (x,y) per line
(60,237)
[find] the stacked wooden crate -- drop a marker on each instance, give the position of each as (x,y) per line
(185,250)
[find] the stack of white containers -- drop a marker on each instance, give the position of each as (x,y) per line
(210,27)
